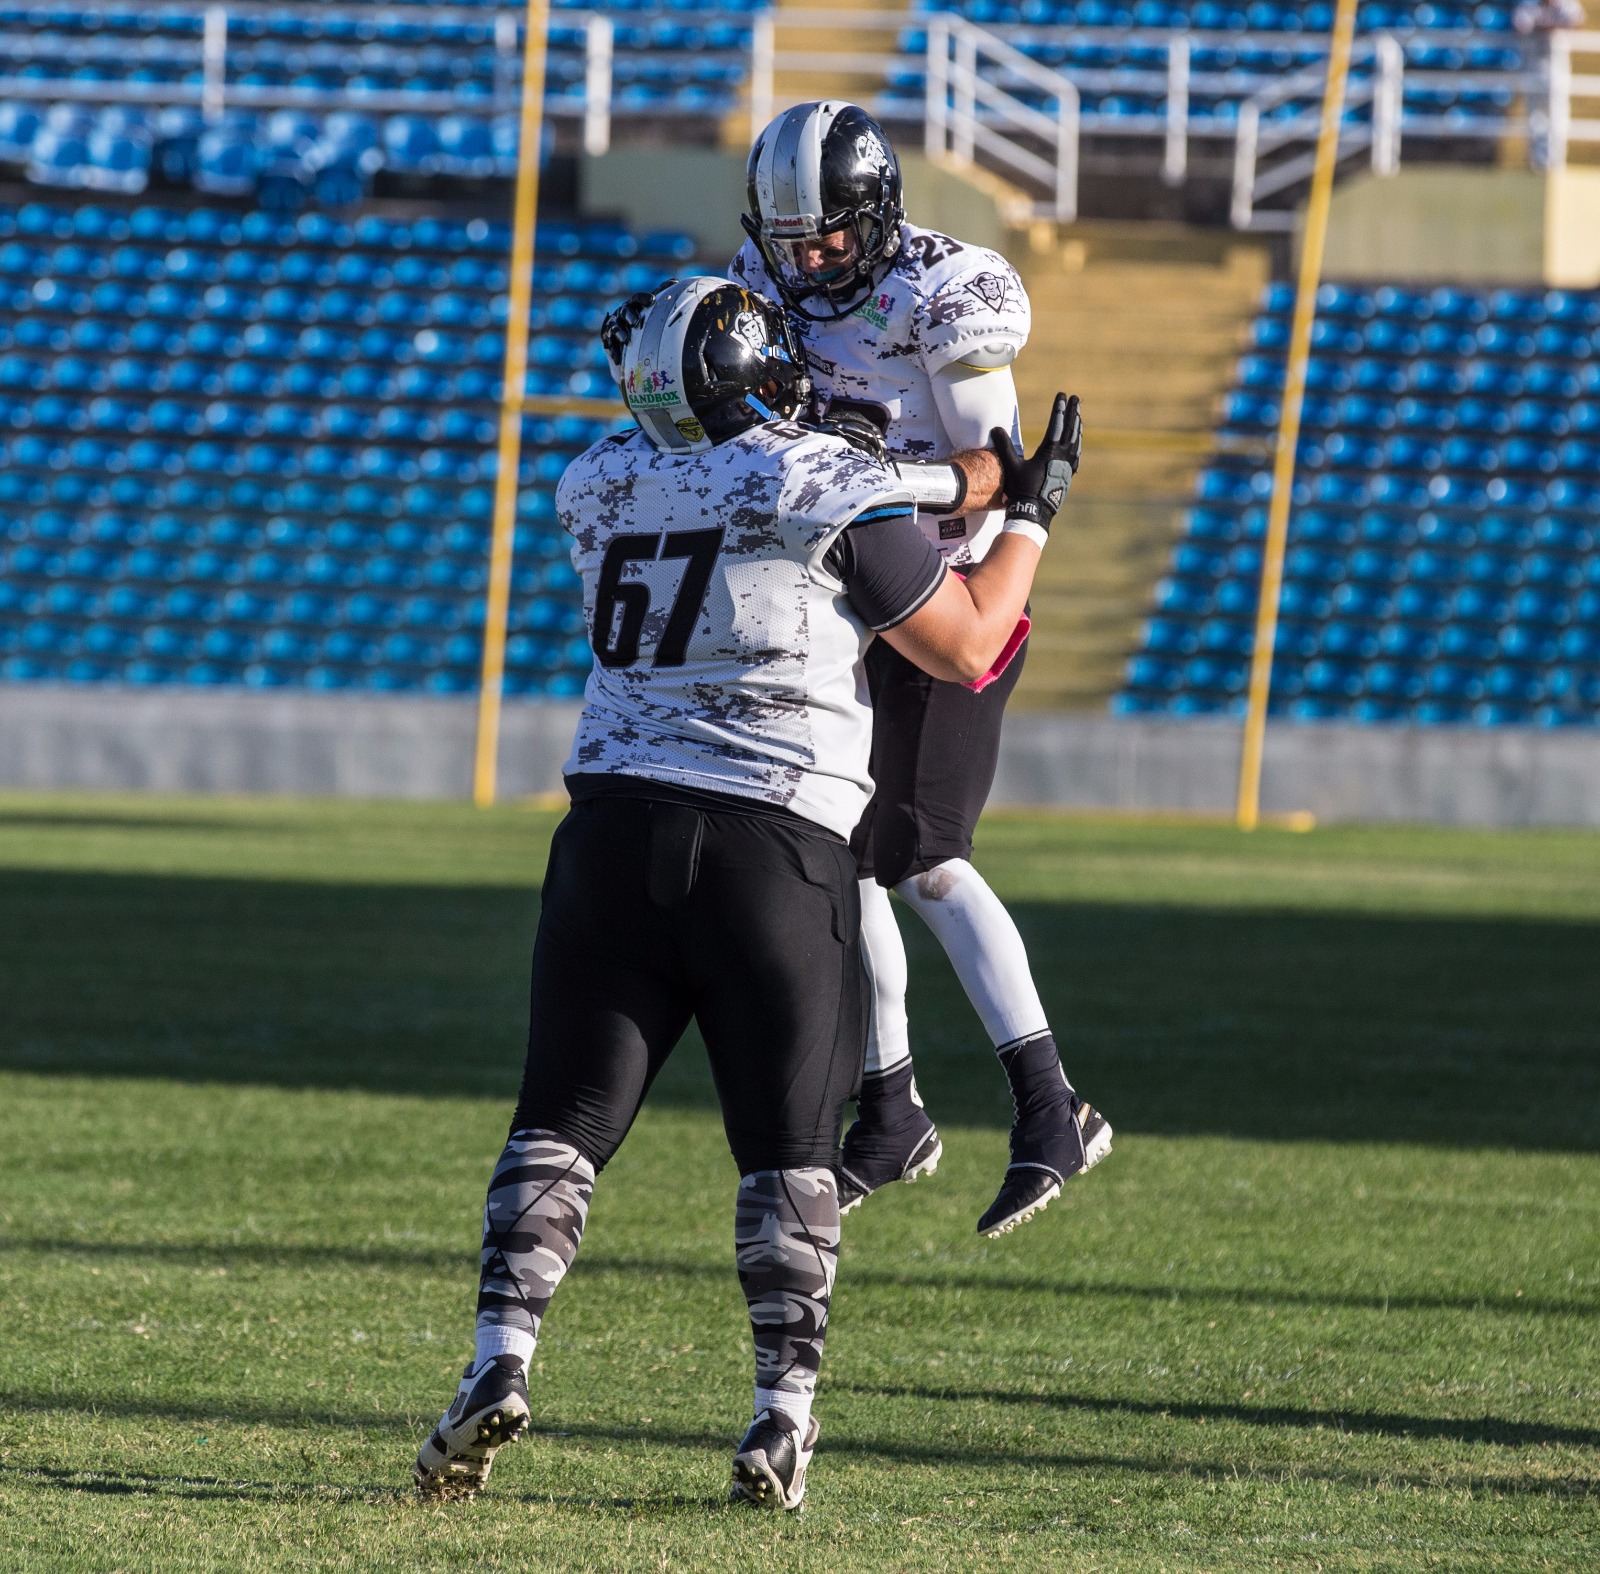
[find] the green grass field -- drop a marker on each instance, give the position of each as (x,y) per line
(1334,1302)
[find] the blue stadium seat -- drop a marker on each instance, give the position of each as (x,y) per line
(226,161)
(1497,489)
(1562,535)
(1361,599)
(1529,643)
(206,402)
(1548,571)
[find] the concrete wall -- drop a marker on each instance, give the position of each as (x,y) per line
(1572,229)
(1450,224)
(333,745)
(408,747)
(1492,226)
(702,190)
(1439,775)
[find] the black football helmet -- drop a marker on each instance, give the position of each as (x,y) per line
(817,170)
(705,360)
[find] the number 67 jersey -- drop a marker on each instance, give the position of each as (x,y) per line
(727,656)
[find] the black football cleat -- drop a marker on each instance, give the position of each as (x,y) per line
(891,1139)
(769,1471)
(490,1410)
(1048,1148)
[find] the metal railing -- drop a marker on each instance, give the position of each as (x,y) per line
(965,112)
(1258,136)
(1280,127)
(594,107)
(1565,84)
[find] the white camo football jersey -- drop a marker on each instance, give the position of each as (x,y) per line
(939,302)
(727,656)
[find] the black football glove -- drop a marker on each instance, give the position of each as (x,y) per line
(1036,486)
(620,325)
(860,433)
(863,426)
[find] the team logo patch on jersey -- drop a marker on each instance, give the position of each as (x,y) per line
(877,309)
(953,529)
(990,288)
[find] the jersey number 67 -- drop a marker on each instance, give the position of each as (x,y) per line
(621,606)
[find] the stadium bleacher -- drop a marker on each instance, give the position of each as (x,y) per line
(240,448)
(1464,65)
(1443,561)
(664,58)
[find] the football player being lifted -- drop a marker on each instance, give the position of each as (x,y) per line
(916,333)
(735,568)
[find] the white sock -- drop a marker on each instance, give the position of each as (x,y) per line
(796,1406)
(884,952)
(494,1339)
(983,945)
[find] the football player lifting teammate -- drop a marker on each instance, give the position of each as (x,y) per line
(736,565)
(914,332)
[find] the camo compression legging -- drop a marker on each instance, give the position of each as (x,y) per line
(786,1237)
(532,1223)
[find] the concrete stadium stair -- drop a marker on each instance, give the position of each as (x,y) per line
(802,28)
(1144,322)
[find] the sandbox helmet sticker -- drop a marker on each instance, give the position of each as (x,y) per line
(649,388)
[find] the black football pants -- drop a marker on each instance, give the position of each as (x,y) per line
(935,748)
(656,912)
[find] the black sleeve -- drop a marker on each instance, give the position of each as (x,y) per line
(888,568)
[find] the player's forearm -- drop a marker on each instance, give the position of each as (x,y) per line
(985,485)
(959,634)
(961,484)
(999,587)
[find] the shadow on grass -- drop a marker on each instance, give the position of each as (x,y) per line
(1471,1032)
(198,1488)
(1408,1428)
(1471,1429)
(936,1280)
(194,1488)
(228,825)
